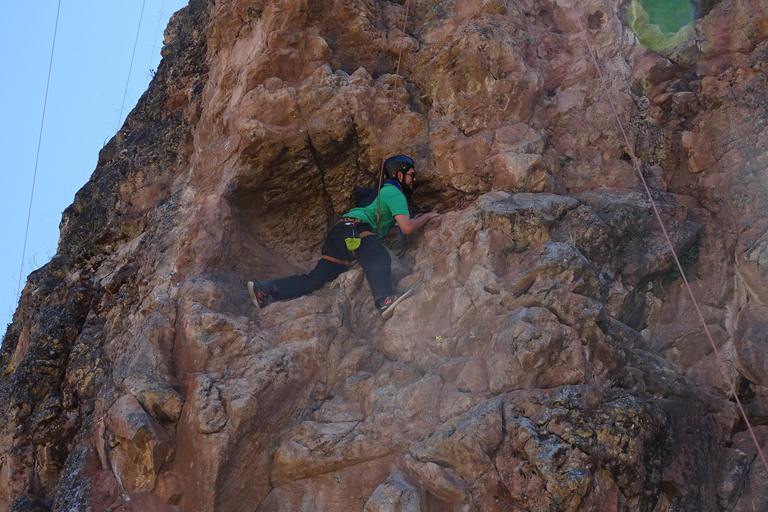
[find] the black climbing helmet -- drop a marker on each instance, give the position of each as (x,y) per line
(398,163)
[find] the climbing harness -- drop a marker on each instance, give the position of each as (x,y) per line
(353,241)
(336,260)
(721,363)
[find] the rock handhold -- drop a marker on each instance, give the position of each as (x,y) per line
(395,494)
(139,445)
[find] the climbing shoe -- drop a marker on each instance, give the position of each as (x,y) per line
(388,304)
(259,294)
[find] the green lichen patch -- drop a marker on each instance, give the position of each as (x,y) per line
(661,25)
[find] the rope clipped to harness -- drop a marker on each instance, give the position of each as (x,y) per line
(389,123)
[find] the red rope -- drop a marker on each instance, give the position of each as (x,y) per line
(721,363)
(389,123)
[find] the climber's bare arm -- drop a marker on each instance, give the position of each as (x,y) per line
(410,224)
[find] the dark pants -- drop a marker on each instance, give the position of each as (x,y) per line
(372,256)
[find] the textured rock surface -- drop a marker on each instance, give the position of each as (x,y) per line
(549,358)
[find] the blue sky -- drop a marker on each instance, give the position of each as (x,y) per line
(92,57)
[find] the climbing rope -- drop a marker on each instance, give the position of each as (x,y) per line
(37,158)
(154,42)
(42,124)
(130,68)
(389,123)
(721,363)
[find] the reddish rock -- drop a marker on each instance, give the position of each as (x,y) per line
(443,484)
(549,357)
(394,495)
(139,445)
(751,343)
(749,473)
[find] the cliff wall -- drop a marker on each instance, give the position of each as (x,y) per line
(549,359)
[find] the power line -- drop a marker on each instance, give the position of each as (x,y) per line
(130,68)
(39,145)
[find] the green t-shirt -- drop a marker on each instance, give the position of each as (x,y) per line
(393,203)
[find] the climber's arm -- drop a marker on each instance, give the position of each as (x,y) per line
(410,224)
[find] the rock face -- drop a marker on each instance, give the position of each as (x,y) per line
(549,359)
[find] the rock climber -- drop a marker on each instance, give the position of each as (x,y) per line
(351,239)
